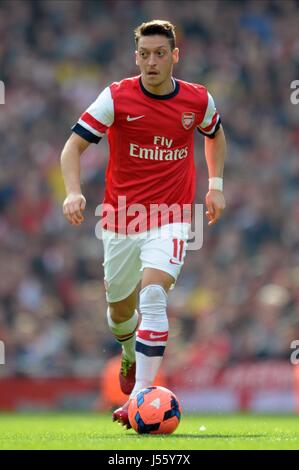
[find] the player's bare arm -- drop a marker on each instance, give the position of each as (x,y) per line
(215,151)
(74,203)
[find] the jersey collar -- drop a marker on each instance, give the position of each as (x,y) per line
(161,97)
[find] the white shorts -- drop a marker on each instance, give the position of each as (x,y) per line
(125,258)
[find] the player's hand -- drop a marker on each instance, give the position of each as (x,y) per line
(215,203)
(73,206)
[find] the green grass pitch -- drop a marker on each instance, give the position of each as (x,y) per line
(97,431)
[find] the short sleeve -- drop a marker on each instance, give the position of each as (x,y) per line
(98,117)
(211,121)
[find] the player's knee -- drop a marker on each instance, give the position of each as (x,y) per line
(123,310)
(153,295)
(120,313)
(153,303)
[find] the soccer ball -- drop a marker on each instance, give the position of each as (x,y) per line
(155,410)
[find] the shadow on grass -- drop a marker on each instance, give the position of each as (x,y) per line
(207,436)
(95,437)
(184,436)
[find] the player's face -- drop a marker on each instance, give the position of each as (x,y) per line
(155,60)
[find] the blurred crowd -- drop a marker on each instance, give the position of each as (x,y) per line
(237,298)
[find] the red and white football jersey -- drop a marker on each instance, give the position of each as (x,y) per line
(151,140)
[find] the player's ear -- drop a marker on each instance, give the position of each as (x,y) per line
(175,55)
(136,58)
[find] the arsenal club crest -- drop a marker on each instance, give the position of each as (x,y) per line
(188,120)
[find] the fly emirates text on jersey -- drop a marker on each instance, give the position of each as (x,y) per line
(158,153)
